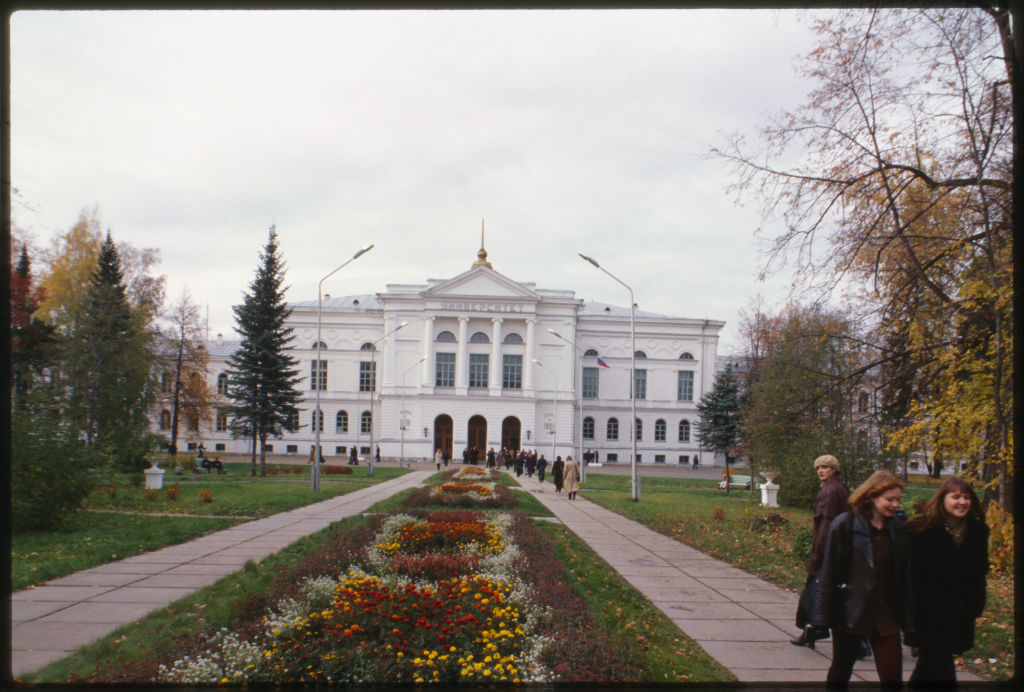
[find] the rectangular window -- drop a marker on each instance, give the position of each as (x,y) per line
(220,447)
(478,370)
(659,458)
(367,377)
(364,451)
(685,385)
(339,451)
(589,383)
(512,372)
(292,449)
(588,428)
(641,384)
(444,370)
(318,376)
(613,429)
(611,458)
(268,448)
(222,422)
(684,459)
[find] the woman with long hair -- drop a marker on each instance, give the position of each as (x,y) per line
(948,566)
(862,581)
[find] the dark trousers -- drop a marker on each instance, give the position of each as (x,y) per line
(934,667)
(887,654)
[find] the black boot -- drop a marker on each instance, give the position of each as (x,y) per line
(801,640)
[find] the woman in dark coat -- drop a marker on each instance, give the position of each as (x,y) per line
(542,464)
(557,467)
(863,581)
(948,564)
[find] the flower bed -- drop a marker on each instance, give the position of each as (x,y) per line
(440,600)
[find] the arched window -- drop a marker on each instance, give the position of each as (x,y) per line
(685,355)
(368,347)
(612,432)
(165,420)
(640,355)
(446,336)
(591,353)
(684,430)
(588,428)
(222,383)
(341,422)
(479,338)
(323,346)
(659,430)
(639,429)
(366,422)
(512,338)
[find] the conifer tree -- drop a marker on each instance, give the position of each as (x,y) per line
(263,376)
(720,415)
(107,366)
(29,334)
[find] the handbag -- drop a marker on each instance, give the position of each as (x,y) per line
(806,602)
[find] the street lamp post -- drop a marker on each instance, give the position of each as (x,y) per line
(632,373)
(318,418)
(373,390)
(554,419)
(403,422)
(579,449)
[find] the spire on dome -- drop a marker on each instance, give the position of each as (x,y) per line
(481,255)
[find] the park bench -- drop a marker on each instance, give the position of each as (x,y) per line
(736,481)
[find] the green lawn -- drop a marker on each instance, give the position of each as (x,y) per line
(95,538)
(695,512)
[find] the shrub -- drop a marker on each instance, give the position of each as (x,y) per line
(111,490)
(173,492)
(802,543)
(149,494)
(336,470)
(206,495)
(1000,539)
(718,514)
(52,472)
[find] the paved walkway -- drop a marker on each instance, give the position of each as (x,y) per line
(51,621)
(742,621)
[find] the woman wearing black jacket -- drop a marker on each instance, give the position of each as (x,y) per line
(948,564)
(862,581)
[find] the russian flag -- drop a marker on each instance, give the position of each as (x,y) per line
(601,362)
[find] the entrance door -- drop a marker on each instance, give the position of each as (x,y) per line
(477,433)
(510,433)
(443,428)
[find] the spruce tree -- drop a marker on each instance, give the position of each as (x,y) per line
(30,336)
(263,376)
(720,418)
(108,363)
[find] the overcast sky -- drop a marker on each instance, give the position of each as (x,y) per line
(568,131)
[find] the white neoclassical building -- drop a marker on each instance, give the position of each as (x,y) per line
(482,360)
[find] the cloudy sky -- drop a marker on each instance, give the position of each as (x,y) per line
(568,131)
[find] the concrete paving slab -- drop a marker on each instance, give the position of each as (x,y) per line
(191,568)
(682,594)
(754,675)
(23,611)
(46,634)
(759,595)
(777,612)
(766,655)
(137,594)
(60,593)
(122,567)
(92,578)
(749,630)
(92,612)
(703,611)
(648,571)
(708,571)
(191,581)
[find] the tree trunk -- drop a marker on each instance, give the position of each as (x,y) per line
(254,442)
(263,453)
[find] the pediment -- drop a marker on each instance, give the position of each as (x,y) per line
(480,281)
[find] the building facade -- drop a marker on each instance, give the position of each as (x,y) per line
(480,360)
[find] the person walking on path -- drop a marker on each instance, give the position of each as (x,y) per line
(948,566)
(572,477)
(830,503)
(438,458)
(542,464)
(557,468)
(863,581)
(353,458)
(530,465)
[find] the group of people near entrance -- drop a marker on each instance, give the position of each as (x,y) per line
(872,575)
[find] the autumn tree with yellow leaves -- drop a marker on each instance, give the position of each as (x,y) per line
(901,197)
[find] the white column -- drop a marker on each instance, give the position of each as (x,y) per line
(428,351)
(531,337)
(462,357)
(495,383)
(387,364)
